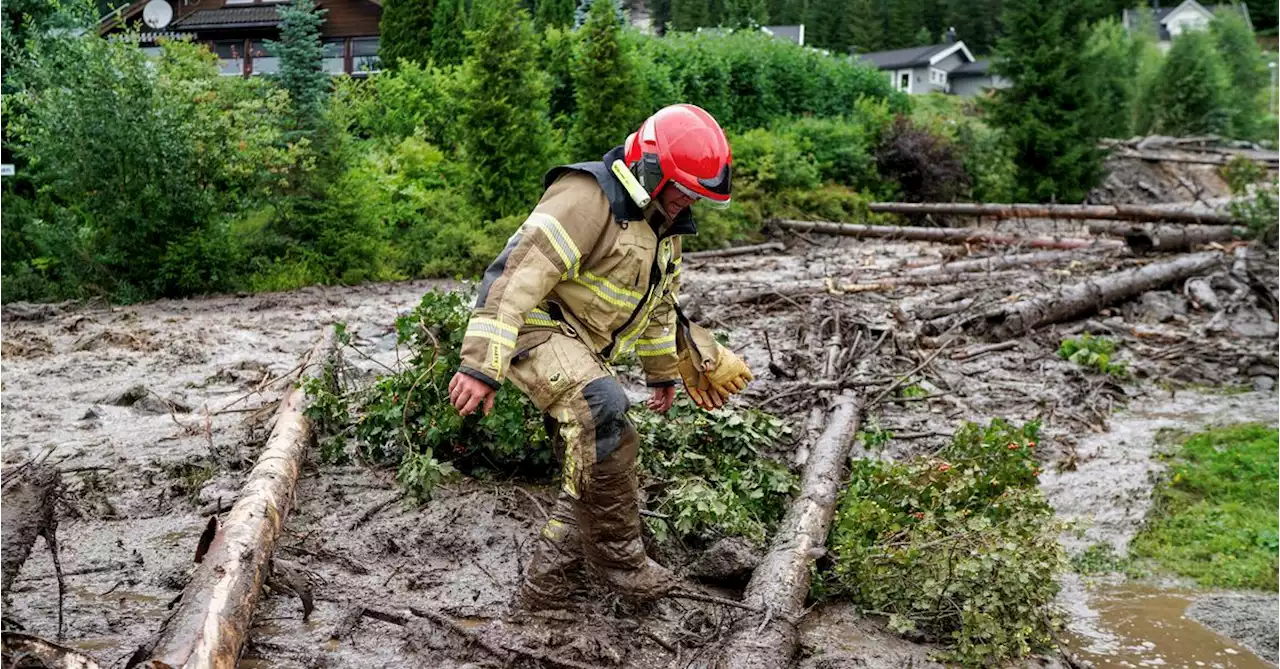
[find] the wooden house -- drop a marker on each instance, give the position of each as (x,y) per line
(237,30)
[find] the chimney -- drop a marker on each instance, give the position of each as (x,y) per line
(951,35)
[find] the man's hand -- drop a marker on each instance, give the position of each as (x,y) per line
(661,399)
(467,392)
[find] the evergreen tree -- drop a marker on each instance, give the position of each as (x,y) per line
(1111,60)
(904,20)
(744,14)
(977,22)
(1191,94)
(1147,59)
(448,32)
(504,132)
(830,25)
(923,37)
(584,8)
(301,57)
(689,15)
(1048,111)
(1246,70)
(405,31)
(605,86)
(553,14)
(866,30)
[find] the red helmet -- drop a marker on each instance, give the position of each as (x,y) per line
(684,145)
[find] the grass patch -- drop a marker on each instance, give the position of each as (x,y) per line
(1214,514)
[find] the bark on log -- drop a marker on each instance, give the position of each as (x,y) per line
(834,287)
(211,622)
(943,235)
(994,262)
(1116,212)
(1086,297)
(29,511)
(781,582)
(735,251)
(1151,238)
(24,650)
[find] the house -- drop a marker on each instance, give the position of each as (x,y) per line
(943,68)
(1173,21)
(236,30)
(792,33)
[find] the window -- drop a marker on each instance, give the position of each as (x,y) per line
(904,81)
(263,61)
(364,55)
(230,57)
(334,59)
(937,76)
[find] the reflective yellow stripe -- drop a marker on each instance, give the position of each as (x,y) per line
(540,318)
(665,345)
(493,330)
(560,240)
(611,292)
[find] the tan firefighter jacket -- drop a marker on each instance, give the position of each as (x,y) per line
(586,263)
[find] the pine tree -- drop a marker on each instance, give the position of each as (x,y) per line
(689,15)
(1048,113)
(1191,94)
(1111,59)
(505,135)
(553,14)
(866,30)
(1246,70)
(405,31)
(584,8)
(605,86)
(301,57)
(448,32)
(904,21)
(923,37)
(829,25)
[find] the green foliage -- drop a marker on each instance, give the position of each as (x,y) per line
(301,57)
(960,548)
(1093,353)
(709,472)
(1051,112)
(449,45)
(1214,514)
(1191,93)
(605,85)
(1246,69)
(1255,200)
(583,9)
(553,14)
(1113,69)
(1100,558)
(405,32)
(504,138)
(923,165)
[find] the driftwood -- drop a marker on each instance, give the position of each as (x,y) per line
(781,582)
(943,235)
(995,262)
(20,651)
(835,287)
(1086,297)
(735,251)
(30,495)
(211,621)
(1149,238)
(1106,212)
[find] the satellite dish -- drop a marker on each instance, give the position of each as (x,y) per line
(157,14)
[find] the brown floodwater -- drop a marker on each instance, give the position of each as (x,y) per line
(1143,626)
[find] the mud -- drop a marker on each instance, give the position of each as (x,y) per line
(140,480)
(1251,619)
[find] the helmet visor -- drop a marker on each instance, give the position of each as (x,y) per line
(718,204)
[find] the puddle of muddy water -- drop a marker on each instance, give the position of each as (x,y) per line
(1143,626)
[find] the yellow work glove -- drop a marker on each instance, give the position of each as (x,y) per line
(711,372)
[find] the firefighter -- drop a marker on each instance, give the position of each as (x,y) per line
(590,276)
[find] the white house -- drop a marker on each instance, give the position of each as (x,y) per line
(1173,21)
(944,68)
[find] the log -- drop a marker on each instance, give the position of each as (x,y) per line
(943,235)
(209,626)
(995,262)
(29,511)
(833,287)
(1086,297)
(1147,238)
(781,582)
(24,650)
(1109,212)
(735,251)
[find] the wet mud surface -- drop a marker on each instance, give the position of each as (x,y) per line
(143,469)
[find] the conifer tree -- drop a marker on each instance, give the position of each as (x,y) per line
(503,127)
(448,32)
(923,37)
(553,14)
(1191,95)
(1112,62)
(605,86)
(584,8)
(301,57)
(1246,70)
(866,29)
(689,15)
(1048,113)
(405,30)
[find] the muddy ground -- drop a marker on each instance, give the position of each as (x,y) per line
(155,412)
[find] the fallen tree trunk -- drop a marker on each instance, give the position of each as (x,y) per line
(1109,212)
(209,626)
(1151,238)
(994,262)
(942,235)
(25,650)
(29,511)
(735,251)
(781,582)
(835,287)
(1086,297)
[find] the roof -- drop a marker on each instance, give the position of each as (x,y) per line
(977,68)
(793,33)
(916,56)
(262,16)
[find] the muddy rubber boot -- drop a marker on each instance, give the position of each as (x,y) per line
(555,572)
(609,518)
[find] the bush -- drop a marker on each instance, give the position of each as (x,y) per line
(960,548)
(1246,69)
(1093,353)
(923,165)
(1191,93)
